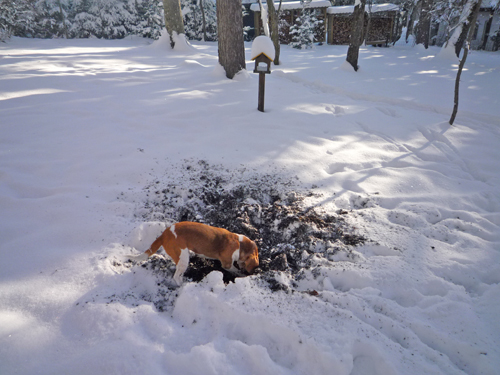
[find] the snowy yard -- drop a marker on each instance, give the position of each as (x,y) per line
(103,143)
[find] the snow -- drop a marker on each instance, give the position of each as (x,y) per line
(181,43)
(87,124)
(255,7)
(374,8)
(265,24)
(489,3)
(262,45)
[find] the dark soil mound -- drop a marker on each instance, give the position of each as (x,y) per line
(266,208)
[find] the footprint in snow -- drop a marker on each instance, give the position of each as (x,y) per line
(335,109)
(388,111)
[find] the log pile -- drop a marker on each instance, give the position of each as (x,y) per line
(380,28)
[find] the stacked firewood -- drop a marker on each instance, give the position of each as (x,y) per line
(378,29)
(340,32)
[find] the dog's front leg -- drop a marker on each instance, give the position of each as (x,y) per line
(234,258)
(230,267)
(181,266)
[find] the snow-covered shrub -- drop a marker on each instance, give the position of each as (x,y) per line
(193,19)
(149,20)
(85,23)
(17,18)
(110,19)
(4,34)
(303,31)
(7,19)
(283,28)
(51,18)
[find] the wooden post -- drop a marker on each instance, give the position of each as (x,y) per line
(325,24)
(262,88)
(262,64)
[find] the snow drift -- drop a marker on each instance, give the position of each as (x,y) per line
(94,132)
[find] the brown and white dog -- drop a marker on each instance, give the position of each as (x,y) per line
(206,241)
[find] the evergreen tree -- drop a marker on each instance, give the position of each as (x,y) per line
(114,18)
(149,21)
(85,23)
(283,25)
(24,18)
(51,18)
(303,31)
(7,19)
(109,19)
(198,13)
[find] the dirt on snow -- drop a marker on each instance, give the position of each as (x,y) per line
(267,208)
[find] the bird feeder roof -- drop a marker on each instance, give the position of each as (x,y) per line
(263,45)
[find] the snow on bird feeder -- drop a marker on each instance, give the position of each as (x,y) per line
(263,54)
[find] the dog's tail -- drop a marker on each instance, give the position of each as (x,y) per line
(154,246)
(152,250)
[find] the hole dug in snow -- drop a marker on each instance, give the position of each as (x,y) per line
(294,237)
(269,209)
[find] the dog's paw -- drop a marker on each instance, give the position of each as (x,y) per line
(178,280)
(235,271)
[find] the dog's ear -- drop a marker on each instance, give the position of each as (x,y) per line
(250,254)
(247,246)
(244,248)
(252,263)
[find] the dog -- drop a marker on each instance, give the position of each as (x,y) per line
(205,241)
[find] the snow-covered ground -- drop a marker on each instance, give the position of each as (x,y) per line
(86,125)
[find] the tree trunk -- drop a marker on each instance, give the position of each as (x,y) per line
(203,20)
(423,28)
(357,33)
(470,20)
(473,7)
(487,30)
(274,29)
(173,19)
(65,28)
(411,22)
(230,35)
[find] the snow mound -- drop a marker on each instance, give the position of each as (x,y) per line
(447,52)
(218,71)
(263,44)
(347,67)
(181,43)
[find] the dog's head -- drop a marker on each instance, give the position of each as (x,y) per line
(249,255)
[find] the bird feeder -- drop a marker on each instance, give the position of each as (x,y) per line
(262,64)
(263,54)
